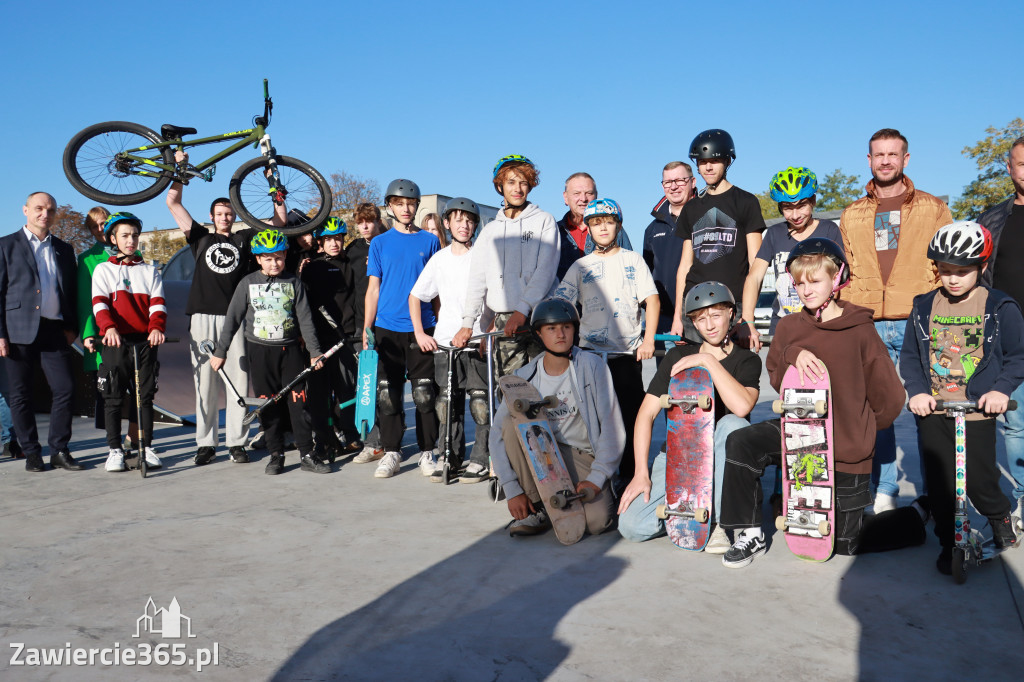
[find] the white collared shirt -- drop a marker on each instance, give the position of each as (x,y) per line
(46,265)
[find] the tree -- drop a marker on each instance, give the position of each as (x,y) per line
(992,184)
(348,191)
(70,227)
(769,207)
(162,245)
(837,191)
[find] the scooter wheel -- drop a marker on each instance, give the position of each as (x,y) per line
(959,565)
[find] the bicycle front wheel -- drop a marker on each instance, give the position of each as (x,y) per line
(304,189)
(96,164)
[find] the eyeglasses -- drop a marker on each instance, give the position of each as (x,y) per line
(673,183)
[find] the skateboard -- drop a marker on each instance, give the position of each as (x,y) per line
(970,548)
(808,482)
(557,491)
(690,469)
(366,388)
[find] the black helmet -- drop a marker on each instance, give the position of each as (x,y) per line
(402,188)
(707,294)
(820,245)
(554,311)
(713,144)
(461,204)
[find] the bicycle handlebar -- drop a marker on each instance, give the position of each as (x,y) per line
(266,89)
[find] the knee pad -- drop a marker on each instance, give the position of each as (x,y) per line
(387,402)
(441,405)
(479,407)
(423,394)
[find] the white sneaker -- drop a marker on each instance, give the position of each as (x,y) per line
(115,460)
(534,524)
(718,543)
(368,454)
(884,503)
(152,461)
(1019,514)
(428,462)
(389,465)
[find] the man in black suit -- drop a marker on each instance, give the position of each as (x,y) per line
(38,323)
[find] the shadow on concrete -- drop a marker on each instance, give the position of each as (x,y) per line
(497,603)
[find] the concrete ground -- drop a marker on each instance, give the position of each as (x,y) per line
(343,576)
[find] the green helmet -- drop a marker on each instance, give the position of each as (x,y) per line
(269,241)
(793,184)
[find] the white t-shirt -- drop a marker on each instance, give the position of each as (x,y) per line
(446,275)
(610,290)
(565,420)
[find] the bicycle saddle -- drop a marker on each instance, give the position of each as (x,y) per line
(170,132)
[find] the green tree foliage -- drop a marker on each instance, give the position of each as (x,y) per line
(769,207)
(992,184)
(837,191)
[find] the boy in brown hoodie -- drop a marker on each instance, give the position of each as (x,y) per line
(867,396)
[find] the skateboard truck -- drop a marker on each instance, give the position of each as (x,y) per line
(803,522)
(563,498)
(801,409)
(532,408)
(663,512)
(688,403)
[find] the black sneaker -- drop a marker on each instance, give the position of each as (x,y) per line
(744,550)
(15,450)
(238,454)
(312,462)
(1003,533)
(945,561)
(204,455)
(275,465)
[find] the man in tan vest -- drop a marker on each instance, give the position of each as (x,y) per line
(886,235)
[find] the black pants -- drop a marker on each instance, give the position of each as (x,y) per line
(329,387)
(271,367)
(395,359)
(937,434)
(469,374)
(750,450)
(115,382)
(51,350)
(628,382)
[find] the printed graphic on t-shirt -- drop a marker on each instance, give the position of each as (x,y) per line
(714,236)
(887,230)
(273,304)
(789,302)
(956,342)
(223,258)
(566,410)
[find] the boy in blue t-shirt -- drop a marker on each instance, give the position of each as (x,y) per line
(395,261)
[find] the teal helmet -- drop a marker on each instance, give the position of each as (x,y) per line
(599,207)
(269,241)
(334,227)
(793,184)
(518,159)
(120,217)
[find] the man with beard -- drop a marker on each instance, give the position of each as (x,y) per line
(886,235)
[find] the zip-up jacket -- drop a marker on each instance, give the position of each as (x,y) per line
(128,295)
(994,219)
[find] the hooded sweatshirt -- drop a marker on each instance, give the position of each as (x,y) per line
(866,391)
(513,264)
(128,295)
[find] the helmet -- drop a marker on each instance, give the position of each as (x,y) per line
(120,217)
(713,144)
(599,207)
(334,227)
(554,311)
(268,241)
(964,242)
(707,294)
(829,248)
(461,204)
(402,188)
(511,158)
(793,184)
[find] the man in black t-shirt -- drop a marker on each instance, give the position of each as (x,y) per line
(720,228)
(1006,223)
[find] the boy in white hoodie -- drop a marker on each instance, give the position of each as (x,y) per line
(513,264)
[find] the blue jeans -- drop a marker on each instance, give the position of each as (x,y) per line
(638,522)
(1013,437)
(883,469)
(5,421)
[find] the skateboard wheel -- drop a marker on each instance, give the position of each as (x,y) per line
(959,565)
(821,407)
(520,405)
(551,402)
(700,514)
(558,501)
(661,511)
(665,402)
(777,406)
(780,523)
(704,402)
(588,494)
(824,528)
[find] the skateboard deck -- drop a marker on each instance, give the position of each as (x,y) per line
(557,491)
(808,480)
(366,388)
(690,469)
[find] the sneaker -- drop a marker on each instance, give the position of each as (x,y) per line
(718,543)
(1003,533)
(204,455)
(428,462)
(389,465)
(115,460)
(152,461)
(744,550)
(16,452)
(238,454)
(258,442)
(312,462)
(369,454)
(475,473)
(884,502)
(275,465)
(1019,513)
(534,524)
(945,561)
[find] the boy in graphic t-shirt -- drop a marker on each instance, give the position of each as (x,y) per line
(720,227)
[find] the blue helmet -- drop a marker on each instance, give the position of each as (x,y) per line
(599,207)
(120,217)
(793,184)
(334,227)
(511,158)
(269,241)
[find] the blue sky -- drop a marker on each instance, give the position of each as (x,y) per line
(437,92)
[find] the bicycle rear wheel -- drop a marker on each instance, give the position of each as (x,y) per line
(305,190)
(95,165)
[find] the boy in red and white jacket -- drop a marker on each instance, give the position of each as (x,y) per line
(128,303)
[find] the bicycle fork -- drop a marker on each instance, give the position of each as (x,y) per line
(276,188)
